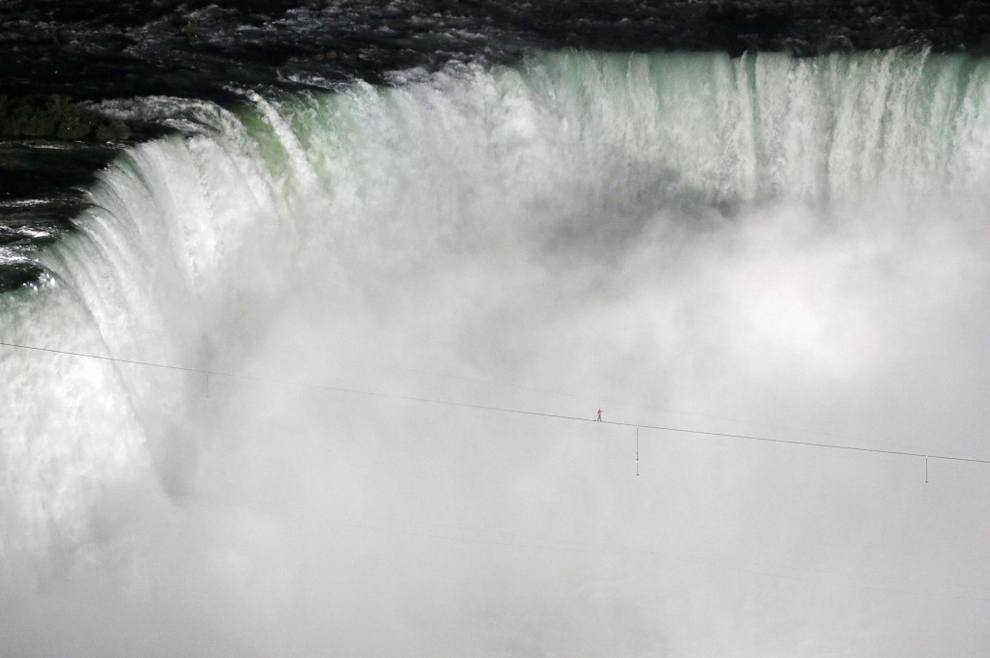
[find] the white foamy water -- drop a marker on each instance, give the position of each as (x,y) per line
(352,345)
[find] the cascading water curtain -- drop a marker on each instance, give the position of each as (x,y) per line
(320,374)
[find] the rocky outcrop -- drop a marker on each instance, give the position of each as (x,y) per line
(57,117)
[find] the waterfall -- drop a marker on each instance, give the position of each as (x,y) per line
(310,367)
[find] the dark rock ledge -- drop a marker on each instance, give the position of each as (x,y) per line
(57,117)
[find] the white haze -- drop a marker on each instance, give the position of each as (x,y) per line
(769,248)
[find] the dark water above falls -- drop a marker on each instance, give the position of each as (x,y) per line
(349,341)
(97,49)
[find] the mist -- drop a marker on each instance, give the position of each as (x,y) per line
(392,314)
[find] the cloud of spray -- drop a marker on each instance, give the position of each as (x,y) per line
(397,468)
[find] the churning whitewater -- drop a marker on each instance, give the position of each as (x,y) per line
(249,408)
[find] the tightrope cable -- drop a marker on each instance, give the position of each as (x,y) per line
(510,410)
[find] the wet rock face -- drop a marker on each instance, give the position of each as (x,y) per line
(57,117)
